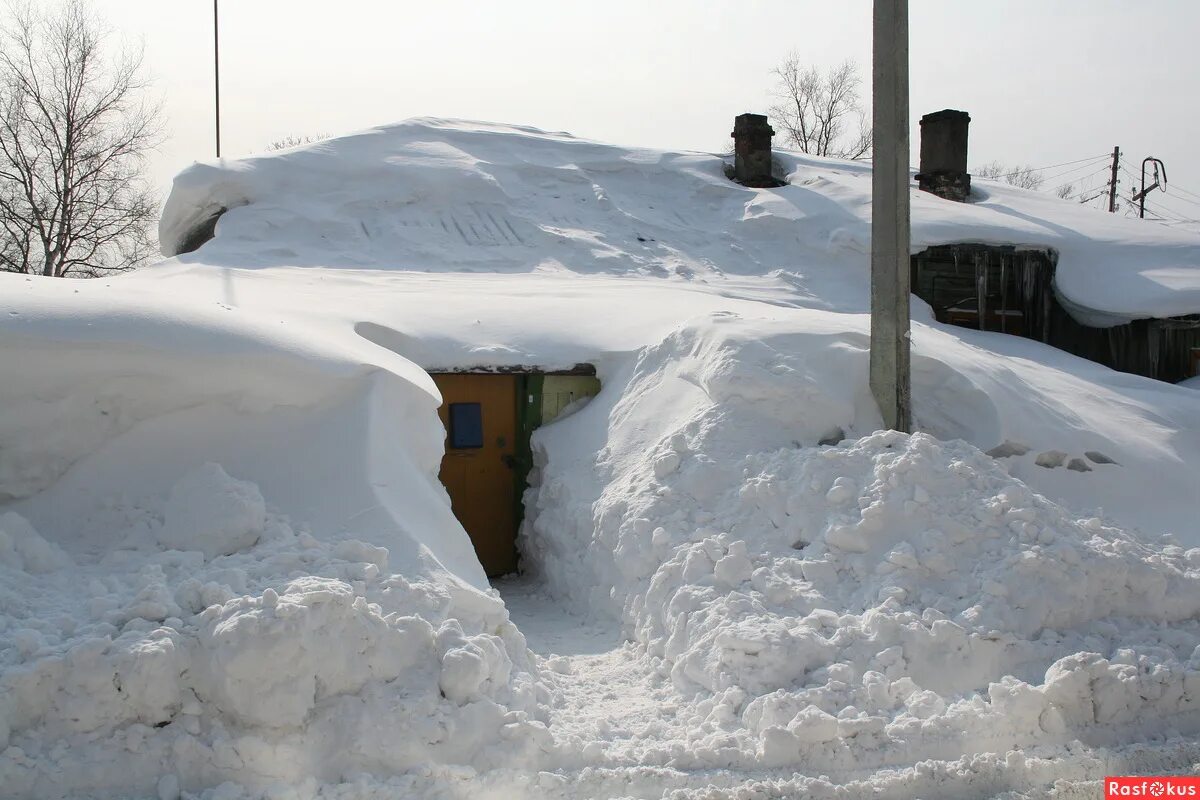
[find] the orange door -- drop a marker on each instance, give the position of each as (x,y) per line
(479,413)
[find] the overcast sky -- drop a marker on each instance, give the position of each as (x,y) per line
(1045,81)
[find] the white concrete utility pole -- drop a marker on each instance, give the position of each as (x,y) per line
(890,216)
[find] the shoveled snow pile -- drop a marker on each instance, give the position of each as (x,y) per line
(864,603)
(896,598)
(213,513)
(279,657)
(23,550)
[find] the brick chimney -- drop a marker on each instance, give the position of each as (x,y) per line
(752,147)
(944,155)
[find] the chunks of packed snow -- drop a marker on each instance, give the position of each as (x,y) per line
(21,547)
(129,670)
(211,512)
(319,640)
(889,599)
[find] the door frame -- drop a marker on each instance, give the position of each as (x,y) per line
(528,408)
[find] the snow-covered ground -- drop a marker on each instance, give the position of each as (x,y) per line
(227,568)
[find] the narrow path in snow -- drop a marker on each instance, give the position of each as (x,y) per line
(607,696)
(627,726)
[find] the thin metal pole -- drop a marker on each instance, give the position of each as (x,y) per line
(1140,197)
(1142,193)
(217,74)
(890,272)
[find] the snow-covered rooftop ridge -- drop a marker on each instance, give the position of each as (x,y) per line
(449,195)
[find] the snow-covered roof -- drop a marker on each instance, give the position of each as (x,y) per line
(444,195)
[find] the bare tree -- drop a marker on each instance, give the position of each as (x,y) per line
(820,112)
(74,133)
(1025,177)
(295,141)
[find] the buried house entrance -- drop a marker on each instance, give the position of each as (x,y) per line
(489,417)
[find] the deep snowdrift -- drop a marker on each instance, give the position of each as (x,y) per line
(873,603)
(225,555)
(165,624)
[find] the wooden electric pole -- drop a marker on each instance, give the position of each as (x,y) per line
(890,381)
(1112,183)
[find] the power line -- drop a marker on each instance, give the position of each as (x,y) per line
(1181,199)
(1166,214)
(1052,166)
(1134,179)
(1081,178)
(1178,188)
(1101,193)
(1174,217)
(1082,190)
(1101,190)
(1160,211)
(1079,161)
(1160,181)
(1129,172)
(1076,169)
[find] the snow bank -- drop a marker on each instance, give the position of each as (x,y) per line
(294,658)
(909,594)
(225,556)
(872,601)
